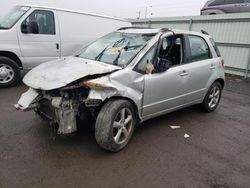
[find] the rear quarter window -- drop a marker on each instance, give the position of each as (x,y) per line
(216,3)
(215,47)
(225,2)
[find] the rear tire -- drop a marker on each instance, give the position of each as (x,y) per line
(10,73)
(212,99)
(115,125)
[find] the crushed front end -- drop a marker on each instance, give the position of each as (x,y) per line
(60,106)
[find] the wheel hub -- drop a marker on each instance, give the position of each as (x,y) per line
(6,73)
(122,126)
(3,73)
(214,97)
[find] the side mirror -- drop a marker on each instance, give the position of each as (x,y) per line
(163,64)
(24,28)
(32,27)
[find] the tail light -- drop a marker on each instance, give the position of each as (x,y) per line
(222,62)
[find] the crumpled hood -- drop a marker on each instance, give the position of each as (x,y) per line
(59,73)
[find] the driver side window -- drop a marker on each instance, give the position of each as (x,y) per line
(170,54)
(148,58)
(45,22)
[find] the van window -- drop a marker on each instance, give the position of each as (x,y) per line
(247,1)
(45,21)
(199,49)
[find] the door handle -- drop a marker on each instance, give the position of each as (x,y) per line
(212,66)
(184,73)
(57,46)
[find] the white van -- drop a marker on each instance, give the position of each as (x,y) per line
(31,35)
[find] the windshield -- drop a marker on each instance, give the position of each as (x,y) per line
(115,48)
(7,21)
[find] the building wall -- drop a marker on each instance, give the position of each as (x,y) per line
(230,31)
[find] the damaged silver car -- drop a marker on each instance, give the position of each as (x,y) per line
(125,78)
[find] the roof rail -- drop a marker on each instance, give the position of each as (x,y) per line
(165,29)
(124,28)
(204,32)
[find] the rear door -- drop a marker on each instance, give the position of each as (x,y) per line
(201,68)
(43,46)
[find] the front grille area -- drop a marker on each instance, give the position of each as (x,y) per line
(46,109)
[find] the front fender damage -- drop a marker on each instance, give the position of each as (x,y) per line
(106,87)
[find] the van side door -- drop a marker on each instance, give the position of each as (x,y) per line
(39,37)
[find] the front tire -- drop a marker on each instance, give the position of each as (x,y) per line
(212,98)
(10,73)
(115,125)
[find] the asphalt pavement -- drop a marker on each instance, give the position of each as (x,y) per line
(216,155)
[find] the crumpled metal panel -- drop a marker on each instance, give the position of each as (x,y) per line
(124,83)
(59,73)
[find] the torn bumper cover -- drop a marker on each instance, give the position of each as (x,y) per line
(26,100)
(56,109)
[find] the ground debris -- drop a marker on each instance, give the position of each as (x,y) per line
(175,127)
(186,136)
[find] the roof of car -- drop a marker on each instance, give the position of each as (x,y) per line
(142,30)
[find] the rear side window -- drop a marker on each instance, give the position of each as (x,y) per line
(226,2)
(199,48)
(217,2)
(234,1)
(215,47)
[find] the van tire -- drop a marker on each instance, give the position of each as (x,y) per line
(8,66)
(214,93)
(106,128)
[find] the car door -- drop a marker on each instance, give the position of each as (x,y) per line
(164,91)
(201,68)
(43,45)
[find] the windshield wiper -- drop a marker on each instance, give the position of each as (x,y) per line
(115,62)
(97,58)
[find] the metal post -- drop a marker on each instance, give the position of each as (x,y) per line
(248,66)
(146,12)
(149,23)
(190,24)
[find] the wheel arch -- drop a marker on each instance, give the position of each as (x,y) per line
(209,84)
(221,81)
(134,105)
(12,56)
